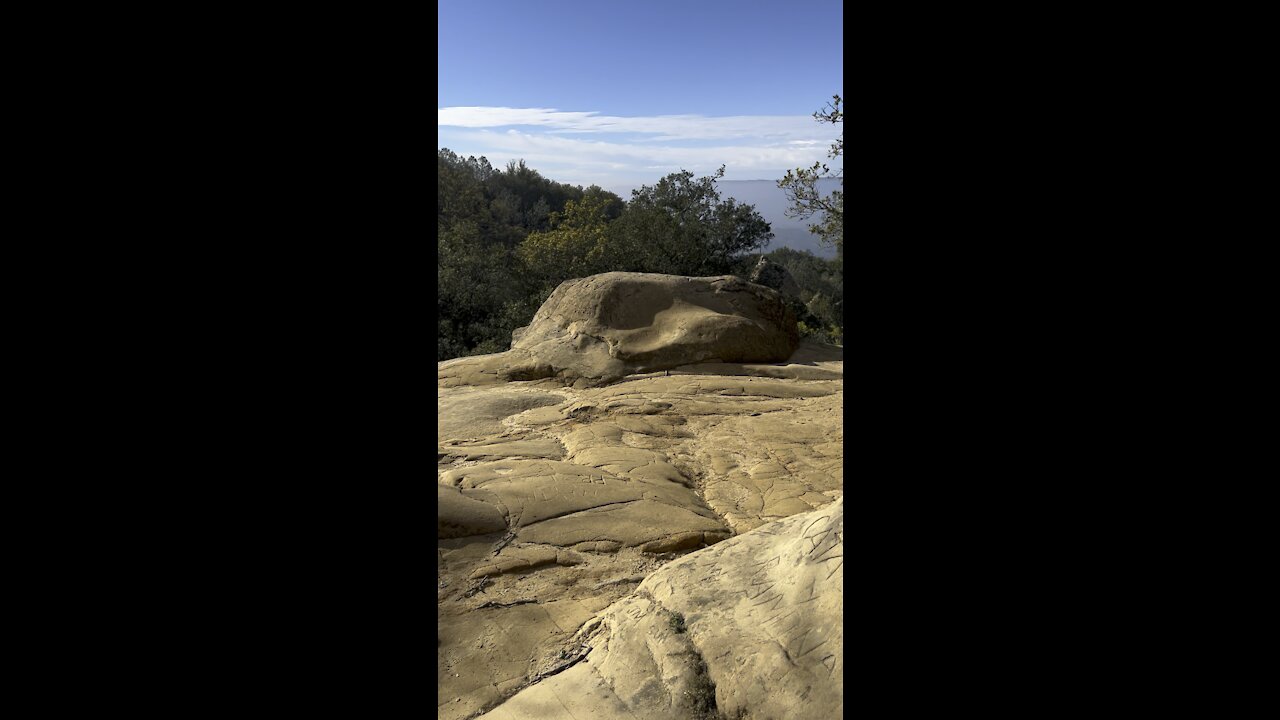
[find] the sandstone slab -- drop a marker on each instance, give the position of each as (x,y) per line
(751,627)
(565,499)
(459,516)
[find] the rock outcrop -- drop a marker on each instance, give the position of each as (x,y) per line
(578,521)
(599,329)
(772,275)
(749,628)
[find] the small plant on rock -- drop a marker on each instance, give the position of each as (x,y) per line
(676,620)
(702,697)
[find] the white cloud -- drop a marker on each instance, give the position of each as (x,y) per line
(638,150)
(597,151)
(779,128)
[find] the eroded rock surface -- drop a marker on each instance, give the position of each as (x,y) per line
(749,628)
(563,507)
(599,329)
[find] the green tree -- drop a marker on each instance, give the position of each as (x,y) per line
(681,226)
(807,201)
(483,214)
(817,296)
(506,238)
(527,199)
(576,244)
(485,287)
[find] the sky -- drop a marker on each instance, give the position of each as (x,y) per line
(620,93)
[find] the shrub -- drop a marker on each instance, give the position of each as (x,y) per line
(676,620)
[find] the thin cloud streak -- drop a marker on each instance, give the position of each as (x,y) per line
(780,128)
(596,151)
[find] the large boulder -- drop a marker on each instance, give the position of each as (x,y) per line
(599,329)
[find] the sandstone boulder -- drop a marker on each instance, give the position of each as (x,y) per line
(772,275)
(599,329)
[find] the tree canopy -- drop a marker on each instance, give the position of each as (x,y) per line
(681,226)
(807,201)
(505,238)
(483,215)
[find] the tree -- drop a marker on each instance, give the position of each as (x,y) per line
(807,201)
(681,226)
(818,299)
(482,216)
(506,238)
(575,245)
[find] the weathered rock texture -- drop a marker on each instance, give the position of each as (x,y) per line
(574,520)
(599,329)
(750,628)
(773,275)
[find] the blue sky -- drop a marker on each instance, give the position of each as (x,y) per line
(621,93)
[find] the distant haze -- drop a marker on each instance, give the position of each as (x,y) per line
(771,202)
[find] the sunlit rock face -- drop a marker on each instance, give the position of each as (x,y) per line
(582,508)
(749,628)
(599,329)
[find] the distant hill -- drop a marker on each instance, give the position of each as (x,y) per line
(771,202)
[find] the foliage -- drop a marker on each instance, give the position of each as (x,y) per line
(831,335)
(681,226)
(506,238)
(702,697)
(575,247)
(801,185)
(676,621)
(819,300)
(482,216)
